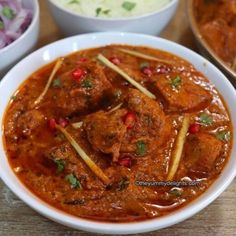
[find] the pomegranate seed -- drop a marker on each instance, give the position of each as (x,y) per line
(129,119)
(126,162)
(52,124)
(63,122)
(147,71)
(194,128)
(115,60)
(78,73)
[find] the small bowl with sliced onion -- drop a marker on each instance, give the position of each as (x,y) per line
(19,28)
(137,16)
(145,69)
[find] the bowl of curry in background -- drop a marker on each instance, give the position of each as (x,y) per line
(41,147)
(214,26)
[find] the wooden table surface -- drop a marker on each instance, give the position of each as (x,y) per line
(217,219)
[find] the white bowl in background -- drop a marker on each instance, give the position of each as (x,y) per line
(12,53)
(72,23)
(63,47)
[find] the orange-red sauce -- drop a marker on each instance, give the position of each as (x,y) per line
(29,139)
(217,22)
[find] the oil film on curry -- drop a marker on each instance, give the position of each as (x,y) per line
(97,122)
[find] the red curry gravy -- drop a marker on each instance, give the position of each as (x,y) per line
(129,136)
(217,23)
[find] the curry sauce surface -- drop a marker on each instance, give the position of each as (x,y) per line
(131,154)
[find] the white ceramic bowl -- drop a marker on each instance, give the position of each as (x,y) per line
(24,44)
(72,23)
(63,47)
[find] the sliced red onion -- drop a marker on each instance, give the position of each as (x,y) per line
(4,40)
(13,28)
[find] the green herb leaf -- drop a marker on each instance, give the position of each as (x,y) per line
(13,97)
(56,83)
(141,148)
(74,2)
(129,6)
(8,13)
(176,192)
(176,82)
(74,182)
(87,83)
(205,119)
(1,25)
(60,165)
(98,11)
(223,135)
(123,184)
(106,12)
(143,65)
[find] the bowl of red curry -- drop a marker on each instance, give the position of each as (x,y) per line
(117,133)
(213,23)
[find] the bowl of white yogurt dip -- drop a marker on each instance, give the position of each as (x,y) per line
(138,16)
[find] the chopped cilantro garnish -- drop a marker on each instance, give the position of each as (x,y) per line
(106,12)
(176,82)
(143,65)
(60,165)
(8,13)
(175,192)
(223,135)
(74,182)
(56,83)
(123,184)
(129,6)
(13,98)
(74,2)
(205,119)
(1,25)
(87,83)
(141,148)
(100,11)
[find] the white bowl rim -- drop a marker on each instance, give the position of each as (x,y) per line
(167,6)
(31,26)
(118,228)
